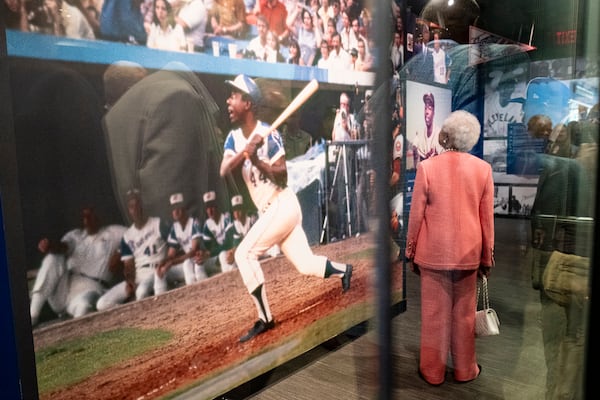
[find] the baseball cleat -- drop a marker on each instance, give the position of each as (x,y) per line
(346,278)
(259,327)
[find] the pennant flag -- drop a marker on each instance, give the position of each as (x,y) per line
(486,46)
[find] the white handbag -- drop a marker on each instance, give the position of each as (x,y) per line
(486,319)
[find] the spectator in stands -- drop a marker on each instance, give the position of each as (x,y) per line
(364,61)
(397,51)
(323,55)
(192,17)
(347,34)
(329,32)
(336,15)
(228,18)
(15,14)
(276,15)
(147,10)
(307,35)
(357,33)
(338,57)
(353,9)
(272,53)
(164,33)
(325,12)
(294,53)
(250,6)
(257,45)
(123,21)
(67,20)
(353,57)
(91,12)
(39,16)
(314,6)
(366,24)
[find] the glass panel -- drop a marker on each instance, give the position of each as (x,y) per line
(121,111)
(529,74)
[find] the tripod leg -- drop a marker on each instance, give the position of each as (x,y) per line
(335,172)
(348,216)
(323,229)
(330,197)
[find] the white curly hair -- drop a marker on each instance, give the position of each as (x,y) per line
(463,130)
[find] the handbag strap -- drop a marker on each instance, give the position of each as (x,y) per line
(485,296)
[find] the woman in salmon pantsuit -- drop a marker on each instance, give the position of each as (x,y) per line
(450,241)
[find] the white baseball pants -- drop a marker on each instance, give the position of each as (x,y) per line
(280,224)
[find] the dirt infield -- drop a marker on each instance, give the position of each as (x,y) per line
(207,320)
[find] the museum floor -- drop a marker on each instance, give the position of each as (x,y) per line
(512,363)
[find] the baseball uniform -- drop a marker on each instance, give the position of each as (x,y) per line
(425,146)
(72,282)
(148,247)
(256,151)
(234,234)
(280,216)
(213,233)
(181,237)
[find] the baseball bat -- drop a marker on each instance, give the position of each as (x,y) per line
(294,105)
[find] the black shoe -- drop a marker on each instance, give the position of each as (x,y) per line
(346,278)
(259,327)
(470,380)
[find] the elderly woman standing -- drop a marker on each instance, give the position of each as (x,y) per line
(450,241)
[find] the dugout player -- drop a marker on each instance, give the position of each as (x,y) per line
(263,169)
(143,248)
(235,232)
(185,245)
(213,231)
(78,269)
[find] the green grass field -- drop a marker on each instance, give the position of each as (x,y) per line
(70,362)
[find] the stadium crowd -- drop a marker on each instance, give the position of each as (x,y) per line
(191,25)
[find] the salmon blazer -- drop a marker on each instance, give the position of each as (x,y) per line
(451,220)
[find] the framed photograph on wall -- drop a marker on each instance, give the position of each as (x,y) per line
(426,108)
(94,125)
(521,200)
(501,199)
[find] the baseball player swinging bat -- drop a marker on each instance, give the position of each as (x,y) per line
(294,105)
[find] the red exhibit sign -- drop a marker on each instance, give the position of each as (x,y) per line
(566,37)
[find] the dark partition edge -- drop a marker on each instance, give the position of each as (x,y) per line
(589,14)
(381,164)
(17,362)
